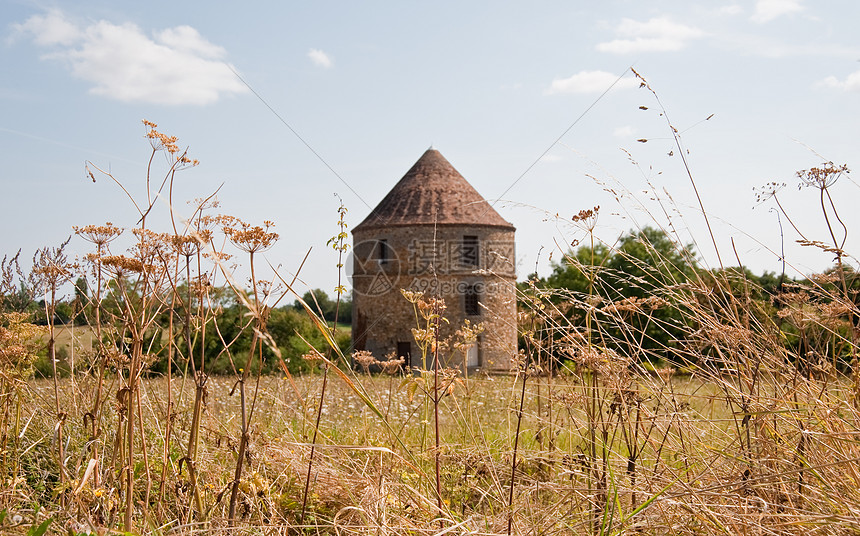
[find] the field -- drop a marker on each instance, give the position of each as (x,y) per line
(666,455)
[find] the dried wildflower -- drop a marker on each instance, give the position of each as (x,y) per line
(432,308)
(791,298)
(19,342)
(52,272)
(201,285)
(468,333)
(162,142)
(364,359)
(586,214)
(467,336)
(121,265)
(247,237)
(51,267)
(587,219)
(423,336)
(834,315)
(266,288)
(411,296)
(186,245)
(217,256)
(100,235)
(187,161)
(203,203)
(8,268)
(150,249)
(728,335)
(158,140)
(449,378)
(313,355)
(116,358)
(392,364)
(821,177)
(800,311)
(767,191)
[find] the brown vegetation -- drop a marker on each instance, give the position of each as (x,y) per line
(650,396)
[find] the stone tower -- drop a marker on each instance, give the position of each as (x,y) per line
(434,233)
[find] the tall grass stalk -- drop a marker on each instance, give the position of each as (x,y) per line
(252,240)
(338,242)
(52,269)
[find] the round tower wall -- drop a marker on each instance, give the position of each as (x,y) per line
(470,267)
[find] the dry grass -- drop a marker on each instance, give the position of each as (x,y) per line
(758,434)
(693,467)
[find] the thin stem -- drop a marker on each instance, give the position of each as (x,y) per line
(437,452)
(313,445)
(516,446)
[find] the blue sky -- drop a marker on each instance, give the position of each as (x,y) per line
(370,85)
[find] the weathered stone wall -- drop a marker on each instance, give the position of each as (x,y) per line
(430,259)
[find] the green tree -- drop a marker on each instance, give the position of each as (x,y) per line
(325,306)
(647,262)
(80,303)
(636,290)
(291,330)
(574,272)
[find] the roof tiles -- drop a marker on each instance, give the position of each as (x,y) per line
(433,192)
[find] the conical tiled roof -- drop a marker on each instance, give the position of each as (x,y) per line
(433,192)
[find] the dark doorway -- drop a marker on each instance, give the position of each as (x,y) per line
(404,350)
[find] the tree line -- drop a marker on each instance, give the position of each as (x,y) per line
(648,297)
(289,325)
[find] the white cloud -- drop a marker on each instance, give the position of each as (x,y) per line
(49,29)
(766,47)
(623,132)
(851,82)
(767,10)
(187,39)
(589,82)
(656,35)
(732,9)
(320,58)
(176,66)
